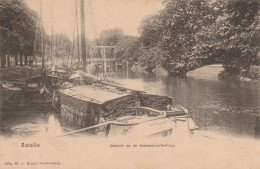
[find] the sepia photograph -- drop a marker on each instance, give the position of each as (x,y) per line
(133,84)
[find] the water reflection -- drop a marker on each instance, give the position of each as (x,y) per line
(229,107)
(54,128)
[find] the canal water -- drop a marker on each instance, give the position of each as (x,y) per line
(222,106)
(226,107)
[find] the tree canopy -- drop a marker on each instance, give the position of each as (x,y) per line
(17,22)
(128,49)
(192,33)
(17,28)
(110,37)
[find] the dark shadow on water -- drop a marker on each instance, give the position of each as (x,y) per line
(230,107)
(223,106)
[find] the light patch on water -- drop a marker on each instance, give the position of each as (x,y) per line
(54,128)
(27,129)
(134,84)
(50,129)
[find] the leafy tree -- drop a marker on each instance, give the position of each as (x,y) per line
(128,49)
(151,57)
(150,30)
(181,20)
(150,33)
(110,37)
(206,49)
(236,27)
(257,36)
(63,45)
(17,27)
(193,33)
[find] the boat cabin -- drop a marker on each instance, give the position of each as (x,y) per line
(89,105)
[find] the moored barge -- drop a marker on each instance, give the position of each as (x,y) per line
(107,109)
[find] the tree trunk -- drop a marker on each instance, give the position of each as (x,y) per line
(3,61)
(8,60)
(21,60)
(25,60)
(16,59)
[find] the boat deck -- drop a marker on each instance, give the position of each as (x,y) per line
(94,94)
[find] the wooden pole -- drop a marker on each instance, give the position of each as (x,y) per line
(35,40)
(72,51)
(116,66)
(8,61)
(83,37)
(21,60)
(105,60)
(34,45)
(127,69)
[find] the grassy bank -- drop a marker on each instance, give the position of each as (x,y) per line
(18,73)
(206,72)
(216,71)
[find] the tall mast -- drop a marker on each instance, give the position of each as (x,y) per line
(51,33)
(42,34)
(77,32)
(73,42)
(83,37)
(35,43)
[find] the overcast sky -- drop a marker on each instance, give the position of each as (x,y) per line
(100,15)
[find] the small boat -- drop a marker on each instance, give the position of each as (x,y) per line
(147,122)
(110,110)
(40,83)
(150,122)
(9,86)
(141,126)
(39,90)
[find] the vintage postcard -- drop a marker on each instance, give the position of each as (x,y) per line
(133,84)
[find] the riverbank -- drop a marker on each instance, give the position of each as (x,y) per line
(12,81)
(18,74)
(210,72)
(213,72)
(17,107)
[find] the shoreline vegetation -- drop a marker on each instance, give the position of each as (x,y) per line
(187,35)
(216,71)
(207,72)
(210,72)
(182,37)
